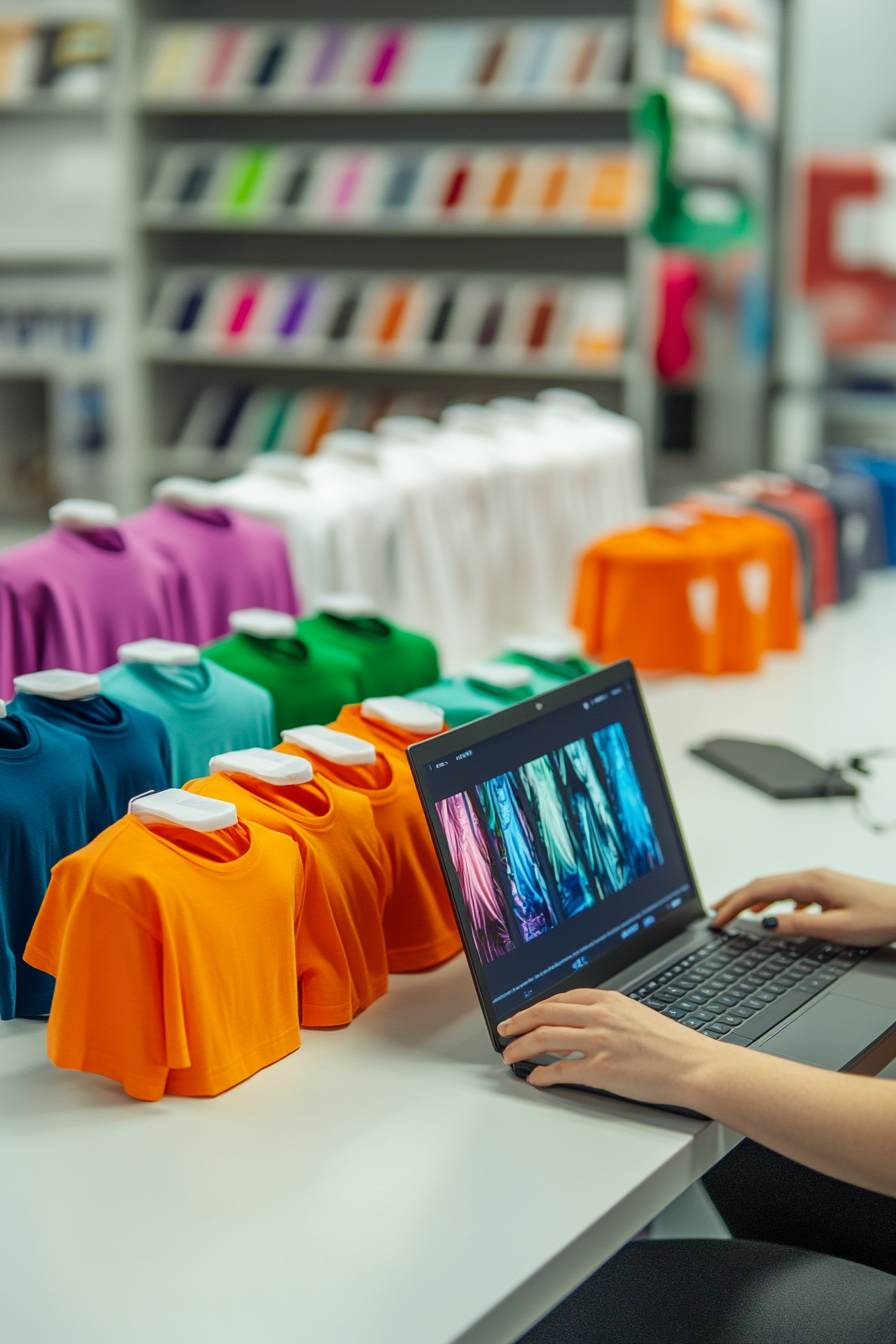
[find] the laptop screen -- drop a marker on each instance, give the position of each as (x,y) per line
(563,841)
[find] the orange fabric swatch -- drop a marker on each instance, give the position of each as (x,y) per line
(340,951)
(418,921)
(174,956)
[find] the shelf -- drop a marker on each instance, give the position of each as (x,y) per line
(163,350)
(53,366)
(171,224)
(614,99)
(50,106)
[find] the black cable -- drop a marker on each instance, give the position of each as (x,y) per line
(858,764)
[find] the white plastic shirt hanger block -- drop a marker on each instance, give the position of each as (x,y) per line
(179,808)
(347,605)
(414,716)
(58,683)
(83,515)
(549,648)
(183,493)
(167,652)
(503,676)
(274,767)
(341,748)
(263,623)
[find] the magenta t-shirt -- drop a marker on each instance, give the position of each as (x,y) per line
(69,599)
(226,561)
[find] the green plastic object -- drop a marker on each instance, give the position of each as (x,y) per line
(683,216)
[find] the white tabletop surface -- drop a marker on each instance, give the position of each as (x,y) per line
(392,1183)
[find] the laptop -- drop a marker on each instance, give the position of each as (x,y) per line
(567,867)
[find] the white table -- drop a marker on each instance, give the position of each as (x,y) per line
(392,1183)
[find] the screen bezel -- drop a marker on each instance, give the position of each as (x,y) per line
(422,754)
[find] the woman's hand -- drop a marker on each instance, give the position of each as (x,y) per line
(853,909)
(626,1047)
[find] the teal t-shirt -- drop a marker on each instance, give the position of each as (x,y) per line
(392,661)
(547,675)
(463,699)
(205,708)
(309,683)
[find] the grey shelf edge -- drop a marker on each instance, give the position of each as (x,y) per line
(159,224)
(164,353)
(54,107)
(617,100)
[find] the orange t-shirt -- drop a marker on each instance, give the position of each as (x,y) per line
(418,921)
(651,594)
(340,948)
(770,542)
(174,956)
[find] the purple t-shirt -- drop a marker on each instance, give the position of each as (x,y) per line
(69,599)
(226,561)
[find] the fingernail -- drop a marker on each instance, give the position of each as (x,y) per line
(769,922)
(502,1027)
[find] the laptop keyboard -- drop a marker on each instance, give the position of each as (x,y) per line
(738,986)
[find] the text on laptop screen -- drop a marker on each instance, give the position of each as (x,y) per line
(563,842)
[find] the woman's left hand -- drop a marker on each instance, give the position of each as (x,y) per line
(626,1047)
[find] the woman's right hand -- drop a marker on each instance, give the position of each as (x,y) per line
(853,909)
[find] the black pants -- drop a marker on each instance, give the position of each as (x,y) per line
(764,1197)
(724,1292)
(749,1291)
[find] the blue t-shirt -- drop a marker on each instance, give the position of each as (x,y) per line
(131,746)
(205,708)
(52,802)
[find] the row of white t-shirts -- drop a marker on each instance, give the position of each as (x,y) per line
(468,530)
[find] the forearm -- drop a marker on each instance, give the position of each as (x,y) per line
(842,1125)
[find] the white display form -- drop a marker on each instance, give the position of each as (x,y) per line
(83,515)
(341,748)
(503,676)
(274,767)
(176,807)
(347,605)
(166,652)
(58,683)
(263,623)
(182,492)
(414,716)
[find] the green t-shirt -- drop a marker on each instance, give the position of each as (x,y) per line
(309,683)
(546,675)
(393,661)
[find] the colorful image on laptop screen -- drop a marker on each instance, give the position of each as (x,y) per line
(563,841)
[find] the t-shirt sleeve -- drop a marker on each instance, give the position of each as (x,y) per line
(44,945)
(107,1015)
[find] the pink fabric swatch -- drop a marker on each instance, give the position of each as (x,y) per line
(225,561)
(69,599)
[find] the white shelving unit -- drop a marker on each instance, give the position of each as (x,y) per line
(173,373)
(64,247)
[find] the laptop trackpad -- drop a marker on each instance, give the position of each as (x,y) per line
(832,1032)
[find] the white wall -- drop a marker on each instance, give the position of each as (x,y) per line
(843,73)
